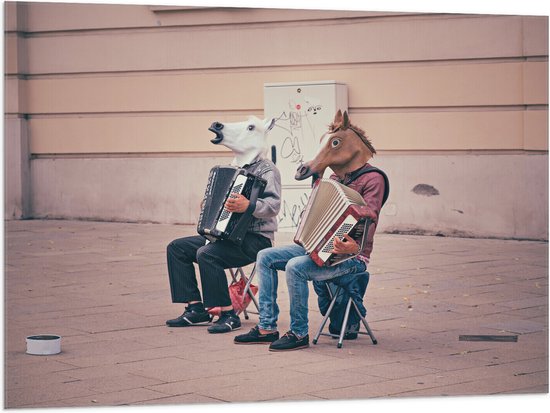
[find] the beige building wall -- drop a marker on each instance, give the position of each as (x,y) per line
(108,107)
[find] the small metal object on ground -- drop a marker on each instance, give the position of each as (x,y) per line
(44,344)
(488,338)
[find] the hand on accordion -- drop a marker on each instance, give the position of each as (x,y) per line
(237,203)
(345,245)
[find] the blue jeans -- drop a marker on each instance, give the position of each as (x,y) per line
(299,269)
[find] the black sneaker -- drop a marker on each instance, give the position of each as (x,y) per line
(226,323)
(191,317)
(255,337)
(289,342)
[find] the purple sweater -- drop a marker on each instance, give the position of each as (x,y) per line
(371,187)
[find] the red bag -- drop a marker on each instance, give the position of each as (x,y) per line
(239,300)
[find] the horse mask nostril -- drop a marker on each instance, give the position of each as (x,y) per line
(302,172)
(218,126)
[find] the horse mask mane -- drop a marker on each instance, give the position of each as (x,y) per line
(344,148)
(342,122)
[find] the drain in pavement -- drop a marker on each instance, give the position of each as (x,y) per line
(487,338)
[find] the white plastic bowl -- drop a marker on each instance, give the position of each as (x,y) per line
(44,344)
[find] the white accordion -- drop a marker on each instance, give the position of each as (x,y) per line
(333,210)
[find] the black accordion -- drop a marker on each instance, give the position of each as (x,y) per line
(216,222)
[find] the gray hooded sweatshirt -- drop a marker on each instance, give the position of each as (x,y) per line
(264,216)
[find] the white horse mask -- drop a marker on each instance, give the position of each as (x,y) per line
(246,139)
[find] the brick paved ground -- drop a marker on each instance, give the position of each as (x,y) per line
(103,287)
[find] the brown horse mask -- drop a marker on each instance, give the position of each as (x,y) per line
(344,149)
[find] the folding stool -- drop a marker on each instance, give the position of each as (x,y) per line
(351,303)
(235,272)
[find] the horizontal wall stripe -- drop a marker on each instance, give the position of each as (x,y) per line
(12,44)
(535,130)
(305,42)
(535,83)
(416,86)
(259,112)
(127,134)
(535,35)
(89,155)
(228,155)
(13,90)
(288,67)
(68,17)
(446,131)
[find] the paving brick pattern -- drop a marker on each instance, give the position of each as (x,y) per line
(103,287)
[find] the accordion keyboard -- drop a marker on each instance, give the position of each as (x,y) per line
(344,229)
(225,216)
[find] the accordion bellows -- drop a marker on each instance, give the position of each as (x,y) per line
(333,210)
(216,222)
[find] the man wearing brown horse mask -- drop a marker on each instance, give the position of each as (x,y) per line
(346,150)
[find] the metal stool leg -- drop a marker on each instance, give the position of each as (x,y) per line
(233,275)
(364,321)
(344,321)
(344,324)
(249,292)
(327,315)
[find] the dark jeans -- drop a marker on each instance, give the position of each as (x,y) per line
(212,258)
(352,284)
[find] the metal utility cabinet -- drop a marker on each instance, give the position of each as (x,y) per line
(303,112)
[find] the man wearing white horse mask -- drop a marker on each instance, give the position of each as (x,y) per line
(247,140)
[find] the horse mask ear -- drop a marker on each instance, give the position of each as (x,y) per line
(269,124)
(340,121)
(345,122)
(337,118)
